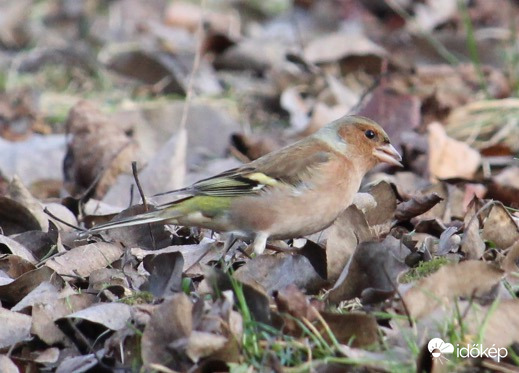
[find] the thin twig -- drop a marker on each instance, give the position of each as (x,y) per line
(46,210)
(143,197)
(395,288)
(138,183)
(179,170)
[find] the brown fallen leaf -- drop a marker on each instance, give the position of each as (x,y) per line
(472,244)
(165,273)
(19,193)
(15,266)
(203,344)
(354,329)
(97,152)
(336,46)
(194,255)
(500,228)
(45,314)
(113,316)
(449,158)
(45,292)
(292,301)
(416,206)
(15,328)
(10,246)
(83,260)
(7,365)
(375,266)
(501,329)
(39,243)
(79,363)
(510,263)
(16,218)
(48,356)
(170,322)
(348,230)
(255,296)
(23,285)
(449,282)
(94,323)
(221,320)
(386,203)
(274,272)
(187,15)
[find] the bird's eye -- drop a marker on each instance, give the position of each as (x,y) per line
(370,134)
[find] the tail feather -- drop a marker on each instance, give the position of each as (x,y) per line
(162,214)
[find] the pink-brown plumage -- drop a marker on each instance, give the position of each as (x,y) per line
(289,193)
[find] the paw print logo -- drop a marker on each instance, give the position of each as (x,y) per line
(438,348)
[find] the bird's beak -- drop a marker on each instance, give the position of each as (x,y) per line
(387,153)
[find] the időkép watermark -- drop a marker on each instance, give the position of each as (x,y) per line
(439,349)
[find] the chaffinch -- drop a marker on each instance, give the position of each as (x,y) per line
(292,192)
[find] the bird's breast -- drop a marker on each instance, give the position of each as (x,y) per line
(290,211)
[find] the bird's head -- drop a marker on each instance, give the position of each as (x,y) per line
(360,137)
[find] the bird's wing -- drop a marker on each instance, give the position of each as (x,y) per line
(268,171)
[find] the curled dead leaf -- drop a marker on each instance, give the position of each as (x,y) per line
(449,158)
(449,282)
(500,228)
(416,206)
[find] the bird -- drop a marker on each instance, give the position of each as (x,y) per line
(289,193)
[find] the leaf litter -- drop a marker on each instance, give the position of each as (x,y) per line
(428,251)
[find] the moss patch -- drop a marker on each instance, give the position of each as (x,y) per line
(424,269)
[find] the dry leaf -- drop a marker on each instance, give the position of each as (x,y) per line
(450,281)
(501,329)
(202,344)
(15,328)
(510,263)
(17,249)
(500,228)
(165,273)
(170,322)
(83,260)
(348,230)
(472,244)
(45,314)
(276,272)
(374,265)
(353,328)
(16,218)
(113,316)
(98,150)
(336,46)
(7,365)
(449,158)
(416,206)
(23,285)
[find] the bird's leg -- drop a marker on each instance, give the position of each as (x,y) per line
(259,243)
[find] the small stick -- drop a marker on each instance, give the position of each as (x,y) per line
(141,192)
(138,183)
(395,288)
(46,210)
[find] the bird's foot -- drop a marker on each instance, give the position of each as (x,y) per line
(281,249)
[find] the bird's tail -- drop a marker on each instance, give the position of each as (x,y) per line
(170,211)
